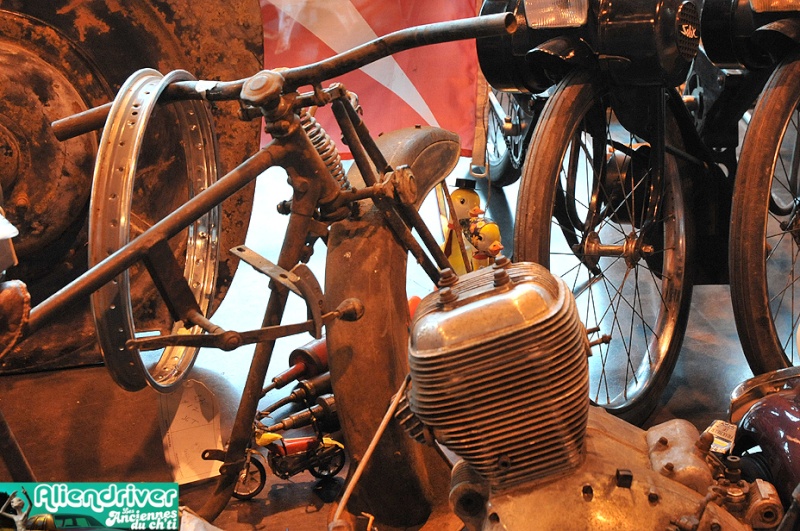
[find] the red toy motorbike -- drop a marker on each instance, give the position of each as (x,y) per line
(322,456)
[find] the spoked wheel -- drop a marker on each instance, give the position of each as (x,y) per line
(506,137)
(592,209)
(765,226)
(329,467)
(129,195)
(251,480)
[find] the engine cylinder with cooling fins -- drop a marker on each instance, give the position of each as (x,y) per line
(500,377)
(499,372)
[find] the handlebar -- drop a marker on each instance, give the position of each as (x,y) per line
(398,41)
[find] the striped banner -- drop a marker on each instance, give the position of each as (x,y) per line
(432,85)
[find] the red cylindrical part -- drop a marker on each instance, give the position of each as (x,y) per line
(313,355)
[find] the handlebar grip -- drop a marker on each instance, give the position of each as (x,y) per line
(83,122)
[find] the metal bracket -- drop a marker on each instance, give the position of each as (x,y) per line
(213,455)
(300,280)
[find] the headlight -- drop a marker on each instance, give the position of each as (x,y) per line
(766,6)
(558,13)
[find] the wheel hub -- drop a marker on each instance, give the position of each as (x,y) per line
(626,187)
(632,250)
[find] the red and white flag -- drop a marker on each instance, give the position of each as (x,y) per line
(432,85)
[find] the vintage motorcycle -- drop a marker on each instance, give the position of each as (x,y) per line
(620,163)
(365,217)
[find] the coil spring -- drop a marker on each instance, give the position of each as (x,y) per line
(326,148)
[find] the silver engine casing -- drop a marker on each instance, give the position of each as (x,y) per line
(500,378)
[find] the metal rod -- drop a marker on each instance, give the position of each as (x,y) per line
(337,65)
(242,430)
(354,139)
(83,122)
(409,214)
(168,227)
(95,118)
(365,139)
(351,485)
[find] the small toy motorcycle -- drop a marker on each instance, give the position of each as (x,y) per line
(323,457)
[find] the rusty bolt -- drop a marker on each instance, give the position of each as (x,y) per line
(21,203)
(588,492)
(501,261)
(668,469)
(736,495)
(447,278)
(446,296)
(663,441)
(405,185)
(284,208)
(230,341)
(501,278)
(653,496)
(704,442)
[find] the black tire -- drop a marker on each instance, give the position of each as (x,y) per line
(330,467)
(505,152)
(765,226)
(641,303)
(251,480)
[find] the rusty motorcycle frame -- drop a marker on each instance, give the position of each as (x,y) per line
(397,170)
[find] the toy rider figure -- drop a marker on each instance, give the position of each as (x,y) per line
(19,515)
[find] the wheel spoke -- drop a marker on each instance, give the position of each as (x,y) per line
(627,272)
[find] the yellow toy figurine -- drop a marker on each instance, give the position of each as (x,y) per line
(481,236)
(465,203)
(484,235)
